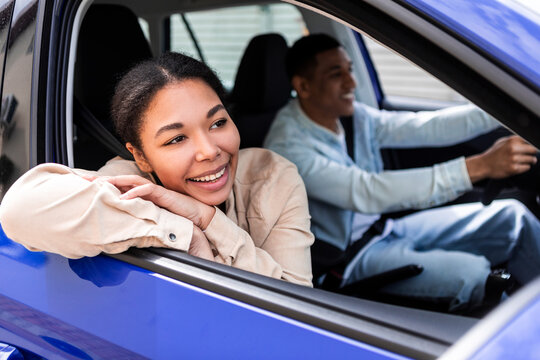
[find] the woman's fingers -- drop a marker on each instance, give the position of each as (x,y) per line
(124,183)
(128,180)
(156,194)
(133,186)
(145,191)
(89,177)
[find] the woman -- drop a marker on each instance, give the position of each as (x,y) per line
(243,208)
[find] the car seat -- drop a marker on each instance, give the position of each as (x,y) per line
(261,88)
(110,42)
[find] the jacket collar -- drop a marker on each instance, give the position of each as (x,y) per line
(318,131)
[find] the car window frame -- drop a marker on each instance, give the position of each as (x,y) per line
(411,342)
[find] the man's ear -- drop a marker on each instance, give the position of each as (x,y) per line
(301,86)
(140,159)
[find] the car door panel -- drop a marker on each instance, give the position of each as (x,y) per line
(105,308)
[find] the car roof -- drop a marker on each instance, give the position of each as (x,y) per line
(506,31)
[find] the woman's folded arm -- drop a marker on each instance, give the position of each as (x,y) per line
(53,208)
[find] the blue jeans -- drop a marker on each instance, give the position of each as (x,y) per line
(456,245)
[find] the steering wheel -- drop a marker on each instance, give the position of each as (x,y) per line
(528,181)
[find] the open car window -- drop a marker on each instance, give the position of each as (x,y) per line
(219,37)
(399,77)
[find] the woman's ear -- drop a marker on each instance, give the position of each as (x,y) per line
(140,159)
(301,86)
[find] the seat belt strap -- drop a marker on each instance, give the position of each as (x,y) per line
(99,132)
(347,123)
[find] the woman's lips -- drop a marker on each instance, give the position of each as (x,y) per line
(207,176)
(220,179)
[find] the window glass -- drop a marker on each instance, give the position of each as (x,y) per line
(223,34)
(144,27)
(399,77)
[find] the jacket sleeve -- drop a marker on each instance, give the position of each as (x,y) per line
(430,128)
(285,253)
(52,208)
(373,193)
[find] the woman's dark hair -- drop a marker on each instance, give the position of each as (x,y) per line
(301,57)
(139,85)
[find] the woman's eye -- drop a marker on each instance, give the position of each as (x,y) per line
(218,124)
(177,139)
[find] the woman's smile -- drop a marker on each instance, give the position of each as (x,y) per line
(212,182)
(210,175)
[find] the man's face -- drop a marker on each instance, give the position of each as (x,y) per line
(330,85)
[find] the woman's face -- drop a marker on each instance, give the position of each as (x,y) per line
(190,142)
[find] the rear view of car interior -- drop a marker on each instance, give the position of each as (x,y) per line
(108,37)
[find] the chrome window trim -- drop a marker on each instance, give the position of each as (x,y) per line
(79,17)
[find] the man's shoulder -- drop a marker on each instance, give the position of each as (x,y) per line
(285,127)
(286,118)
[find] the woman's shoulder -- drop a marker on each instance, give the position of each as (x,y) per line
(256,164)
(264,184)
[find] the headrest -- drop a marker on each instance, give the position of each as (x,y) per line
(110,42)
(261,83)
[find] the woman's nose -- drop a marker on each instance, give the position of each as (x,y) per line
(207,149)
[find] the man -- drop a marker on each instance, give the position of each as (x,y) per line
(456,245)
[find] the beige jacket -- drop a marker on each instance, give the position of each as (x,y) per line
(266,228)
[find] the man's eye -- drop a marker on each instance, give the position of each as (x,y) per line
(218,124)
(177,139)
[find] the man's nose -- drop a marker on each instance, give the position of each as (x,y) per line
(350,80)
(206,148)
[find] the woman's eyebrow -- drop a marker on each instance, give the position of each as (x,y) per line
(173,126)
(214,110)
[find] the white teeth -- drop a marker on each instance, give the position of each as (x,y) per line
(212,177)
(348,96)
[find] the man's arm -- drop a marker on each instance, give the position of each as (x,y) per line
(401,129)
(352,188)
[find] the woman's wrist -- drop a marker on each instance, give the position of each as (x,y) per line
(206,214)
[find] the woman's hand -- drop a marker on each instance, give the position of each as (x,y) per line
(133,186)
(199,245)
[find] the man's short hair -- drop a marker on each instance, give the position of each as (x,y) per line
(301,57)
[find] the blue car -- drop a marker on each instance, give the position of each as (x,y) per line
(60,60)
